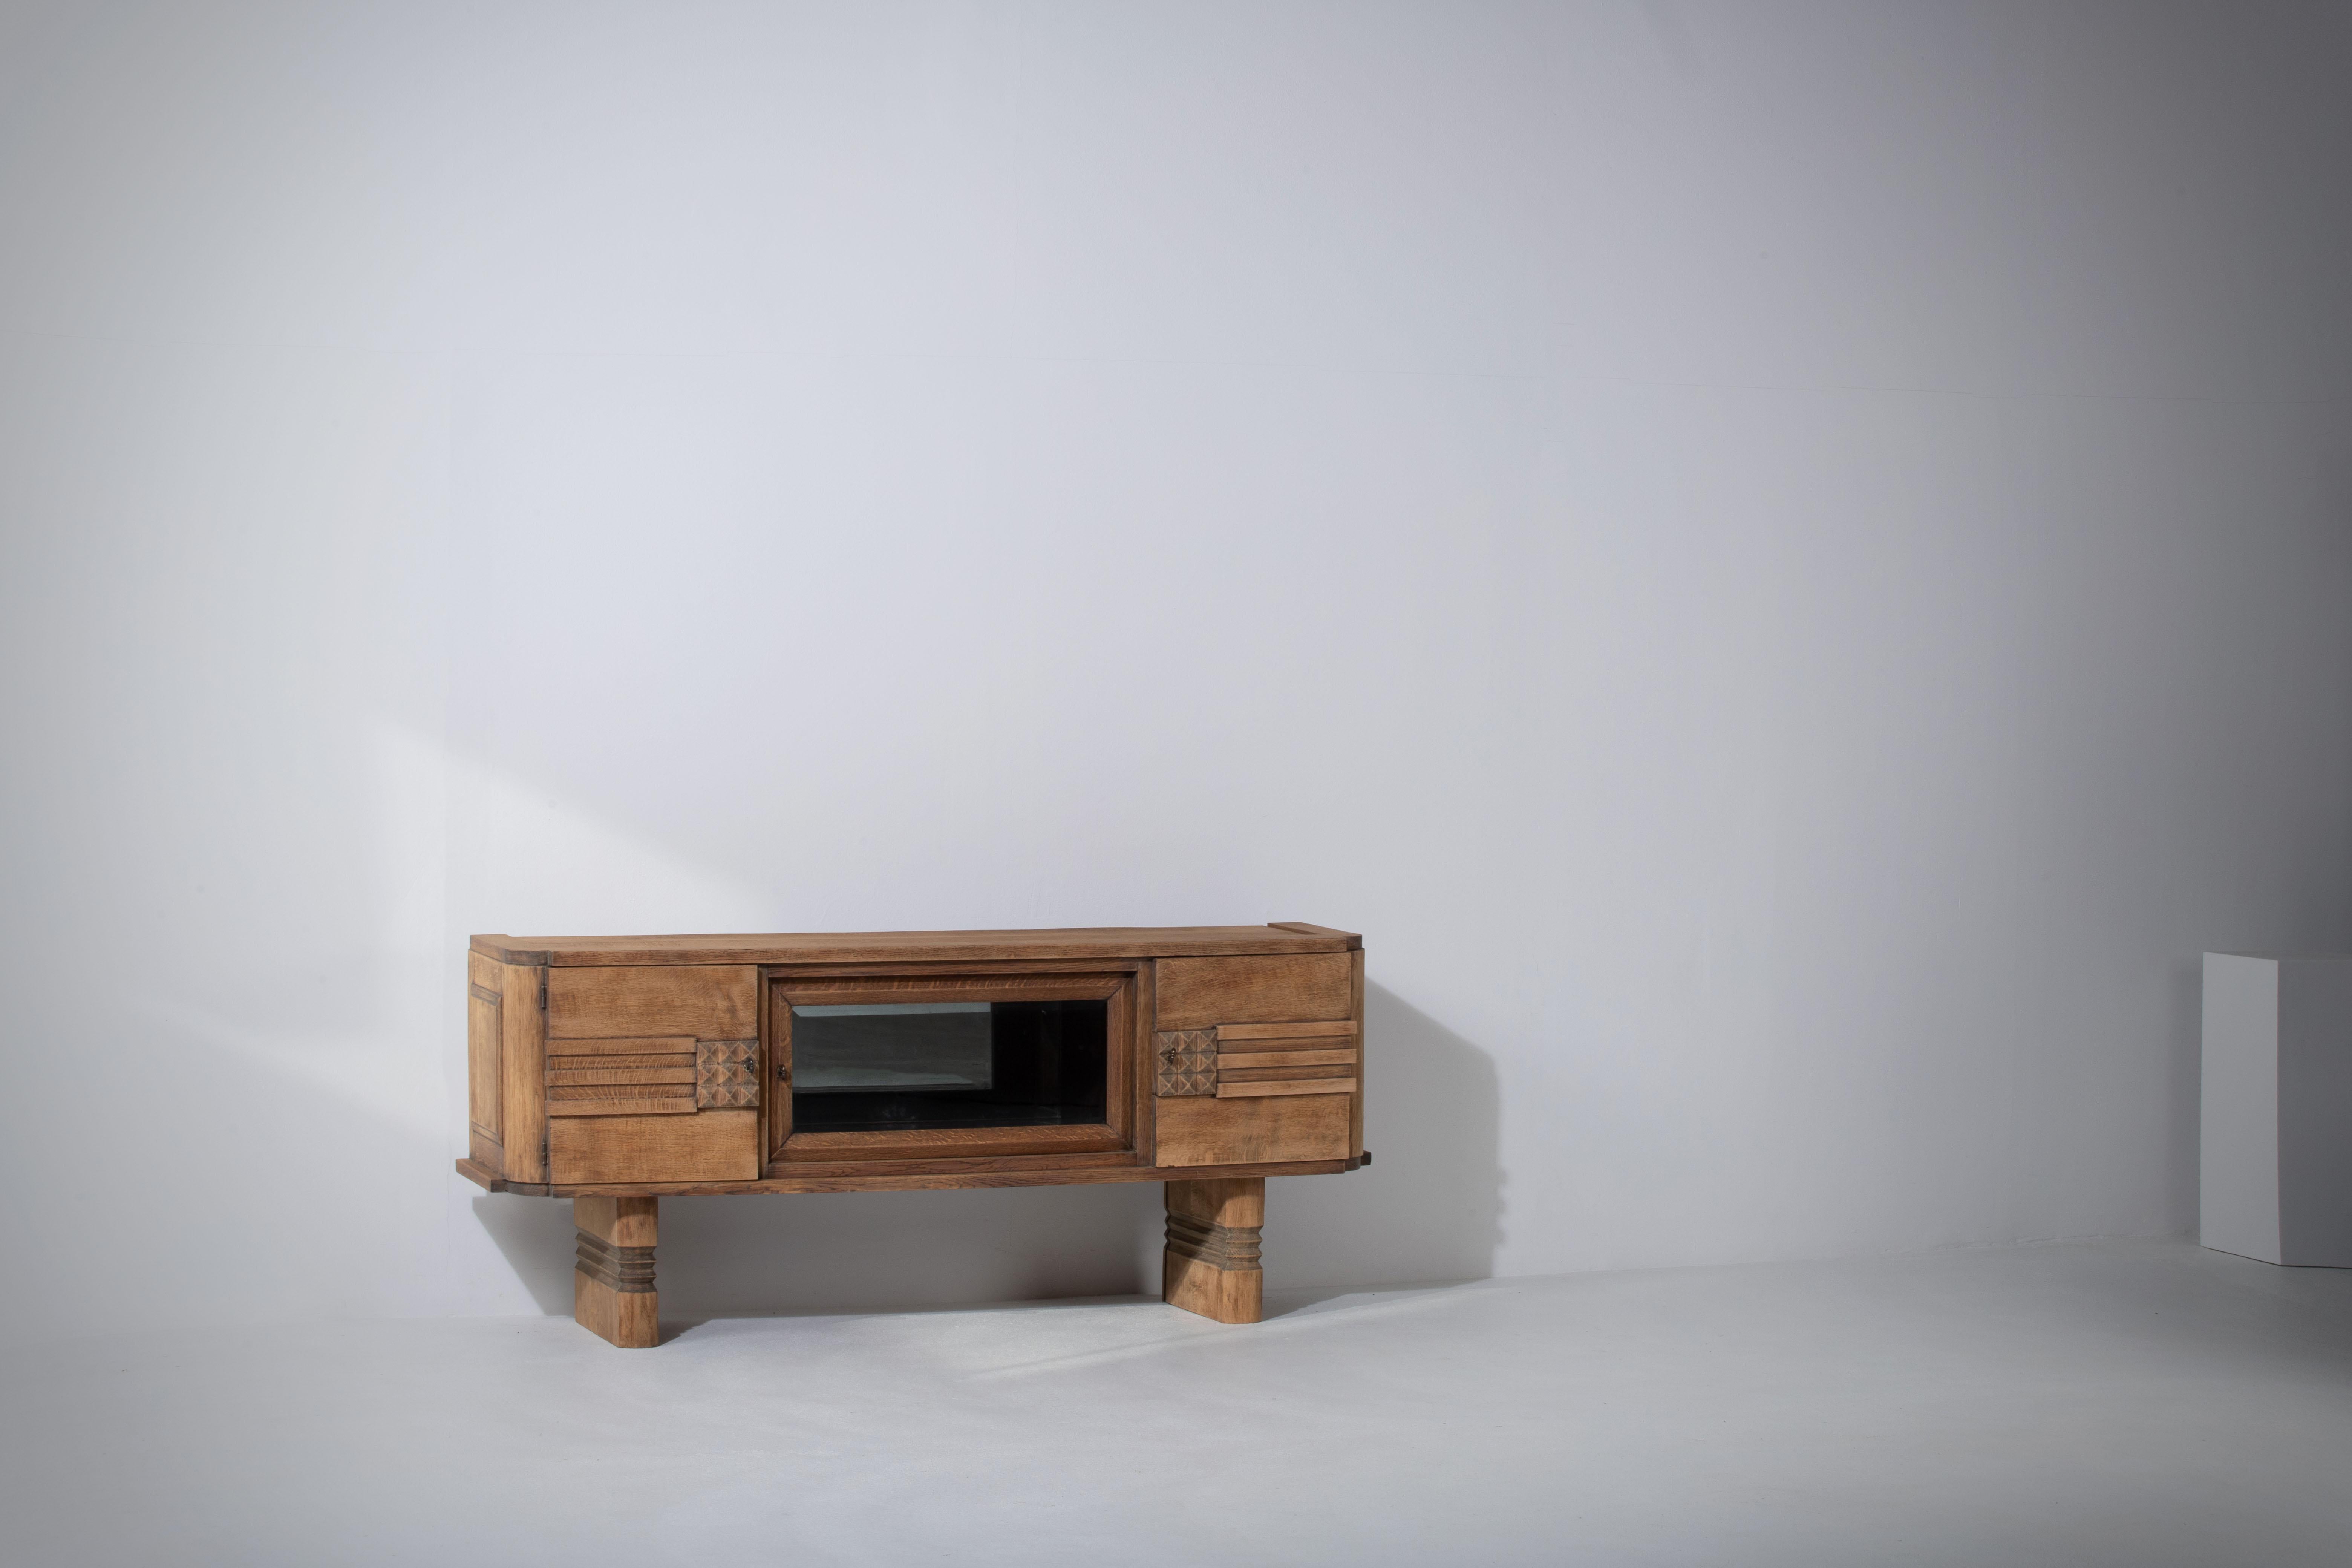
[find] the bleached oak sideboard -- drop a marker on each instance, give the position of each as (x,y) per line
(618,1071)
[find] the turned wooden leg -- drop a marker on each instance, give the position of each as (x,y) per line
(612,1282)
(1210,1265)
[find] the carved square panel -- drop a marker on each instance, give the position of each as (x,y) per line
(724,1074)
(1187,1060)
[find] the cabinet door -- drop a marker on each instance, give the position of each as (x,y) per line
(1258,1060)
(653,1073)
(946,1066)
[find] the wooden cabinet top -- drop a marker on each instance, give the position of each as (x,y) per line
(882,947)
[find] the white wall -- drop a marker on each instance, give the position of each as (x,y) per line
(1786,564)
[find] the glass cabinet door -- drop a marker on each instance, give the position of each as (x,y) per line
(902,1066)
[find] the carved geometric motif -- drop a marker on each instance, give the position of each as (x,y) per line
(1187,1060)
(723,1074)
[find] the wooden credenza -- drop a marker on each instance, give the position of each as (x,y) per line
(617,1070)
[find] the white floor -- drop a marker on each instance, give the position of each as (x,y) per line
(2124,1402)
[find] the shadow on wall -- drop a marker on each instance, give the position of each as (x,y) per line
(1428,1207)
(536,1237)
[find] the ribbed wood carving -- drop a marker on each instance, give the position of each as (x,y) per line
(668,1075)
(628,1269)
(1227,1246)
(1244,1061)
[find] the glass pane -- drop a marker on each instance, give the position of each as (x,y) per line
(940,1044)
(893,1066)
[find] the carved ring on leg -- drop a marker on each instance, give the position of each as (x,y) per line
(1209,1265)
(612,1293)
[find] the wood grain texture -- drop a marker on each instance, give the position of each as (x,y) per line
(933,1143)
(1226,1201)
(612,1293)
(1054,1160)
(628,1269)
(1253,1130)
(1205,992)
(1210,1263)
(1259,1089)
(522,1073)
(487,1176)
(622,1046)
(1221,1295)
(483,1030)
(1125,1028)
(709,1001)
(1284,1074)
(1218,1245)
(1143,997)
(707,1146)
(619,1221)
(930,1175)
(617,1100)
(1240,1061)
(558,1062)
(1356,1014)
(485,995)
(857,947)
(560,1073)
(631,1320)
(775,1072)
(954,969)
(642,1075)
(1246,1036)
(844,990)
